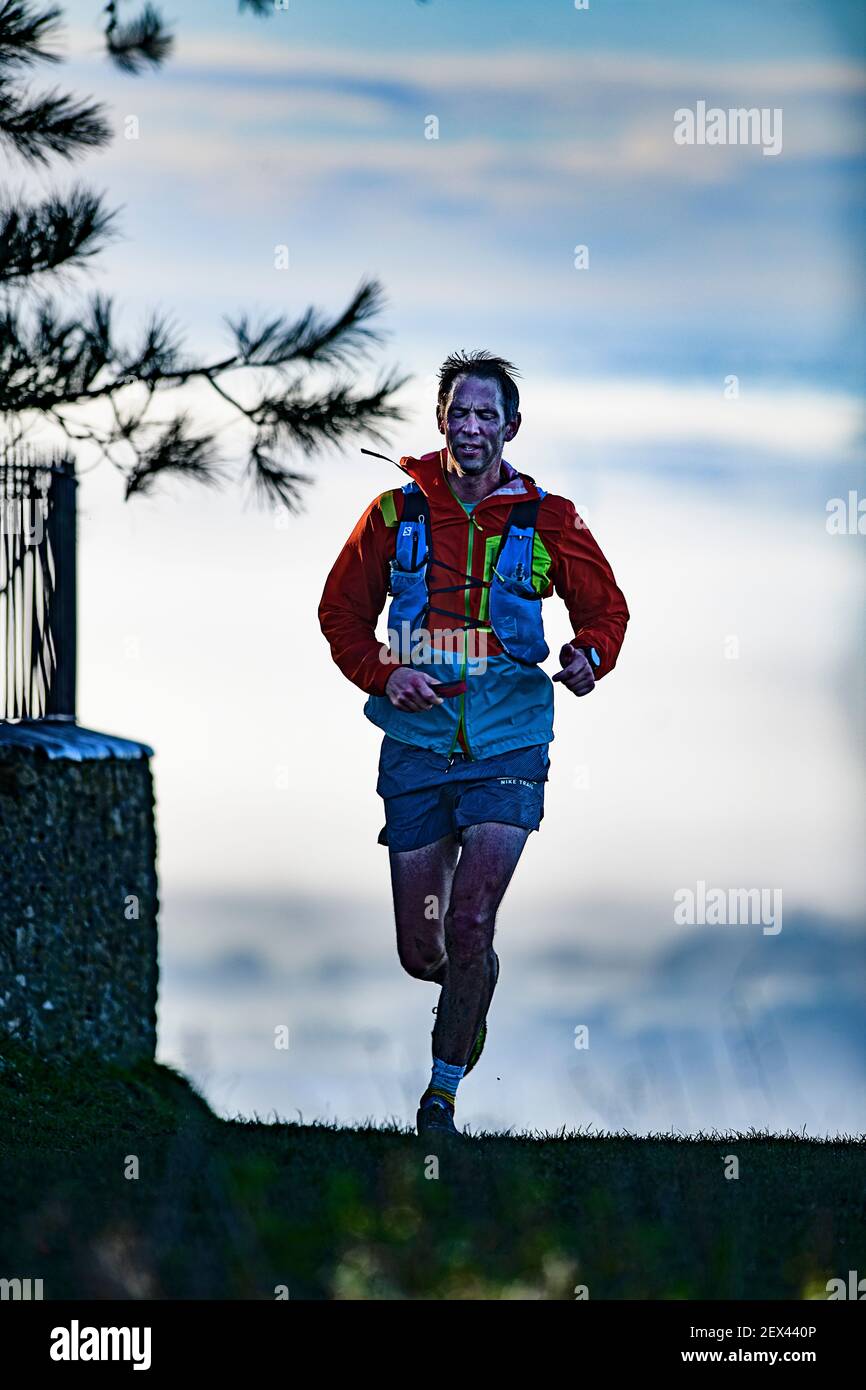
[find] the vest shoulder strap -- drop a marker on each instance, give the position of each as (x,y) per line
(523,514)
(413,530)
(414,503)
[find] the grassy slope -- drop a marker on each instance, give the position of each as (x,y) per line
(231,1209)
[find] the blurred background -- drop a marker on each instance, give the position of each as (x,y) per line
(695,388)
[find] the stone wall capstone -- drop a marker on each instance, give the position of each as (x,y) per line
(78,892)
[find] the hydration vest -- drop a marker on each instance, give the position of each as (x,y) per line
(514,607)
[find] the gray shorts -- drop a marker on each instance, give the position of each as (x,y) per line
(427,796)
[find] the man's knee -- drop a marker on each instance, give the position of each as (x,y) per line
(468,932)
(421,964)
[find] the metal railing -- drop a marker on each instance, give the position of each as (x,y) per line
(37,585)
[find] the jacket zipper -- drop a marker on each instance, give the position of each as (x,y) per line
(466,598)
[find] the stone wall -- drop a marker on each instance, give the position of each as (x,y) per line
(78,892)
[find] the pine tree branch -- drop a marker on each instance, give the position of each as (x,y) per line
(141,42)
(273,484)
(177,450)
(52,363)
(52,124)
(312,423)
(312,338)
(60,231)
(60,363)
(22,34)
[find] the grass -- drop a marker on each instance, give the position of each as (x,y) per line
(243,1209)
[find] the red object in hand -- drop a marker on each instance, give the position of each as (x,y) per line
(448,688)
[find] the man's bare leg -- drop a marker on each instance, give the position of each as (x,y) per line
(487,862)
(421,881)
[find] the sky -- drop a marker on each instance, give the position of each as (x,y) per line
(696,390)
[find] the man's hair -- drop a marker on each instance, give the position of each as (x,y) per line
(479,363)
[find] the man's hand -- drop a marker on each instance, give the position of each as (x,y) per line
(576,674)
(411,690)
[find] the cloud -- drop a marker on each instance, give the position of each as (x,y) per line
(506,69)
(780,423)
(578,114)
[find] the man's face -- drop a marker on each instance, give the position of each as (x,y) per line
(474,423)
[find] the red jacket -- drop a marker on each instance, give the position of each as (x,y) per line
(572,566)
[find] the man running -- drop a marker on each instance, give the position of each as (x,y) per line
(467,549)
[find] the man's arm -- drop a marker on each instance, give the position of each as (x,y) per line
(354,596)
(584,581)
